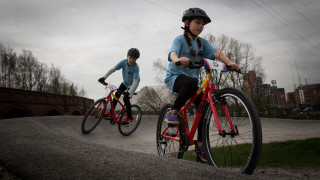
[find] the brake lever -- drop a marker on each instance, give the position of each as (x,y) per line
(103,83)
(230,69)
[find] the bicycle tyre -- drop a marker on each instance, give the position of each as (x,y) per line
(241,152)
(90,121)
(168,147)
(128,129)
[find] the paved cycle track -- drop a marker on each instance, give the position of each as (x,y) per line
(55,148)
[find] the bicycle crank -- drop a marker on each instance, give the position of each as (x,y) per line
(184,142)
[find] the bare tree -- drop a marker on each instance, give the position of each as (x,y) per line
(73,90)
(82,92)
(25,72)
(65,88)
(41,77)
(55,80)
(8,65)
(151,99)
(241,53)
(160,66)
(251,66)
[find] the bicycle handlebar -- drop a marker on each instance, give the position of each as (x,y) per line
(192,65)
(103,83)
(118,90)
(125,92)
(201,63)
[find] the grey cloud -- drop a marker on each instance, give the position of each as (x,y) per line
(99,32)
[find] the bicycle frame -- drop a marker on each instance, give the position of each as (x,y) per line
(210,89)
(109,99)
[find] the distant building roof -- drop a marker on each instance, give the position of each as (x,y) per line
(316,86)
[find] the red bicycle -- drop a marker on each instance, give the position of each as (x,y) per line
(232,136)
(103,109)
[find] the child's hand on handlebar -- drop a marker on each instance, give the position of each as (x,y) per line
(101,80)
(184,61)
(234,66)
(129,94)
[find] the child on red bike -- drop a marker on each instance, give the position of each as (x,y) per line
(182,80)
(131,79)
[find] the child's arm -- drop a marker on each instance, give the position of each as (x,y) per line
(223,58)
(174,57)
(112,70)
(133,87)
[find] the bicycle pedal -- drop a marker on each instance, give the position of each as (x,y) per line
(173,125)
(170,134)
(163,142)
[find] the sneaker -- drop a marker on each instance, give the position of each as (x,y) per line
(172,117)
(107,115)
(199,152)
(126,121)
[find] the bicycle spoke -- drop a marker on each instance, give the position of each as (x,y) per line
(94,115)
(167,146)
(234,149)
(127,129)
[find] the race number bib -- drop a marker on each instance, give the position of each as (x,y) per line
(111,87)
(213,64)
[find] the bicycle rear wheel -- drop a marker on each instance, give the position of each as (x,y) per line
(128,129)
(166,146)
(238,152)
(94,116)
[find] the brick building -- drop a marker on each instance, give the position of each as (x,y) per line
(267,98)
(308,94)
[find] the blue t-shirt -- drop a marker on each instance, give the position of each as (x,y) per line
(128,72)
(180,46)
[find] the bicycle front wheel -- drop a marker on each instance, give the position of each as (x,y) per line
(168,136)
(93,116)
(237,151)
(128,129)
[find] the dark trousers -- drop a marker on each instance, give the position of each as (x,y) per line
(126,100)
(186,87)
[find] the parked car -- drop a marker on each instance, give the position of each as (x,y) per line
(307,109)
(297,109)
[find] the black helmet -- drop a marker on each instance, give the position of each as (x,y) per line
(133,52)
(195,12)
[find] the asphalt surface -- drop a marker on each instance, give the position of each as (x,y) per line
(55,148)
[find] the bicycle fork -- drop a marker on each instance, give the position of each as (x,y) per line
(223,133)
(100,112)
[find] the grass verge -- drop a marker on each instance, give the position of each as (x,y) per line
(288,154)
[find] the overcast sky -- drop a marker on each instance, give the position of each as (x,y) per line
(86,38)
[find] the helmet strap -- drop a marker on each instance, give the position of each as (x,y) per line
(186,29)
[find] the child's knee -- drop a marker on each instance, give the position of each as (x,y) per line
(126,98)
(192,83)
